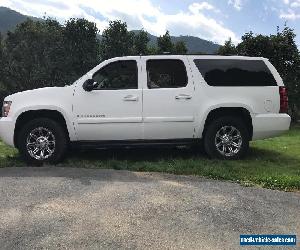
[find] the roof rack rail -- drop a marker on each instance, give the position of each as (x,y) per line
(168,53)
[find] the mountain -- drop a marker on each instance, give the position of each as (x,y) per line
(193,44)
(196,44)
(9,19)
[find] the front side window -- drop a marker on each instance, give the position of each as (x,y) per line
(117,75)
(231,72)
(166,73)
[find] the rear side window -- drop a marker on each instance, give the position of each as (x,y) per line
(166,73)
(218,72)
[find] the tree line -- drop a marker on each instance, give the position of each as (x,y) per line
(47,53)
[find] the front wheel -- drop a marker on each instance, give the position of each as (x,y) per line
(226,138)
(42,140)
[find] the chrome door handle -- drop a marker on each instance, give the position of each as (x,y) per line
(183,96)
(131,98)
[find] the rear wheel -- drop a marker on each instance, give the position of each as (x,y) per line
(226,138)
(42,140)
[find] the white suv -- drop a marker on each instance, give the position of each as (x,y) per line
(221,101)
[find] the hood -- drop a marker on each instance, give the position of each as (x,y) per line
(40,93)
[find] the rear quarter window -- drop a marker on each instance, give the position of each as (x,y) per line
(231,72)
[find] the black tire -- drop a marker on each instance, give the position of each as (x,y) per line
(59,134)
(212,138)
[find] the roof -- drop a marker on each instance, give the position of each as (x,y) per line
(166,56)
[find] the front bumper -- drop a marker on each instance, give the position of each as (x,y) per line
(7,127)
(269,125)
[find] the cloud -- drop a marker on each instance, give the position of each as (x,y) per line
(195,20)
(200,6)
(290,15)
(237,4)
(295,4)
(292,3)
(292,10)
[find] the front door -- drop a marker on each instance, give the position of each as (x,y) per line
(113,109)
(168,98)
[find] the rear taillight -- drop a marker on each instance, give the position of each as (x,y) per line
(284,104)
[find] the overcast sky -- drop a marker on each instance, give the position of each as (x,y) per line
(214,20)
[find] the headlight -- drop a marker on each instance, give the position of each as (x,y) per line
(6,108)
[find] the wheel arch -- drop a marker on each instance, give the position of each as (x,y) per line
(240,112)
(29,115)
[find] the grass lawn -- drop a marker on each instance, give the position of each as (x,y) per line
(272,163)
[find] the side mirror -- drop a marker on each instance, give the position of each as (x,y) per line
(88,85)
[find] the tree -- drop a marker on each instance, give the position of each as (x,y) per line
(165,44)
(1,47)
(34,55)
(1,56)
(180,48)
(252,45)
(2,70)
(152,50)
(46,53)
(140,43)
(228,48)
(82,46)
(116,40)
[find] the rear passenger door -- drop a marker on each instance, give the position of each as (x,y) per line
(168,98)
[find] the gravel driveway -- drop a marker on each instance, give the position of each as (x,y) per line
(58,208)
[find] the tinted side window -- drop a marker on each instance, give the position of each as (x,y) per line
(228,72)
(166,73)
(117,75)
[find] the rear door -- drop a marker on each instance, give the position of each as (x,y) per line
(168,98)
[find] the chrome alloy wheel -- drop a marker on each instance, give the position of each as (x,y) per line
(228,141)
(40,143)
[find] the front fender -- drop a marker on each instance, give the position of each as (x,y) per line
(64,113)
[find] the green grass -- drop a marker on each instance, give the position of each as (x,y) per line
(272,163)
